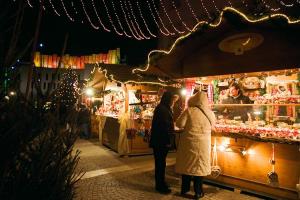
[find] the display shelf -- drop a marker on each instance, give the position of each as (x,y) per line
(256,138)
(142,103)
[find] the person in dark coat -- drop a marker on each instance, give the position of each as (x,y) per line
(162,127)
(84,120)
(237,97)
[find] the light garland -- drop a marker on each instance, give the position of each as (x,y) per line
(179,16)
(99,19)
(132,21)
(230,4)
(214,3)
(44,8)
(286,5)
(161,21)
(70,18)
(125,16)
(30,5)
(88,17)
(119,22)
(269,7)
(55,11)
(159,28)
(178,31)
(132,12)
(206,9)
(214,25)
(145,23)
(110,19)
(192,10)
(74,8)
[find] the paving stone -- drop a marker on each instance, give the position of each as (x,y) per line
(131,178)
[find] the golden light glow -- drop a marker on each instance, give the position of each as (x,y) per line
(246,42)
(214,25)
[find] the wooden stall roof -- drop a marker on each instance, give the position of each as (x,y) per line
(123,73)
(199,54)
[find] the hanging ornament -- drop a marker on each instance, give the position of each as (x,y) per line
(273,176)
(215,168)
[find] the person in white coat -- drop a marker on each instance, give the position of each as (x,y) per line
(193,153)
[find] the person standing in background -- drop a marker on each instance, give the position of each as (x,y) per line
(161,129)
(237,97)
(193,152)
(84,121)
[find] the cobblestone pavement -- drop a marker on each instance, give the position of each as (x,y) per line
(110,177)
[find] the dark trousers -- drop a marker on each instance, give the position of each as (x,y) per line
(186,183)
(160,155)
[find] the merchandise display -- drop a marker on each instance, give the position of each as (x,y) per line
(113,104)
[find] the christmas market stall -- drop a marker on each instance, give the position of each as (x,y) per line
(249,66)
(123,107)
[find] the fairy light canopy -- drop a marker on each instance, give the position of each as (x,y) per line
(146,19)
(267,42)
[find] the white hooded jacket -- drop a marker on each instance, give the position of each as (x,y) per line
(193,153)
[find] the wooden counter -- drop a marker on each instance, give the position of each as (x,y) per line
(249,172)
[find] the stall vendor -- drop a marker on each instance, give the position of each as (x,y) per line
(236,96)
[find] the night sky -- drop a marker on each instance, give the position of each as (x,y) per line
(83,39)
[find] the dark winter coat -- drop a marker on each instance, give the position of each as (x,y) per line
(162,124)
(84,116)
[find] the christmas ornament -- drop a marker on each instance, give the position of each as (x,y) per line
(215,168)
(273,176)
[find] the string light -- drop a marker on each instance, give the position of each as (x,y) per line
(206,9)
(166,27)
(161,21)
(28,2)
(87,16)
(217,23)
(110,19)
(129,17)
(286,5)
(215,6)
(62,2)
(245,4)
(55,11)
(178,31)
(137,3)
(132,12)
(99,19)
(74,8)
(191,9)
(179,16)
(119,22)
(166,34)
(128,22)
(269,7)
(43,5)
